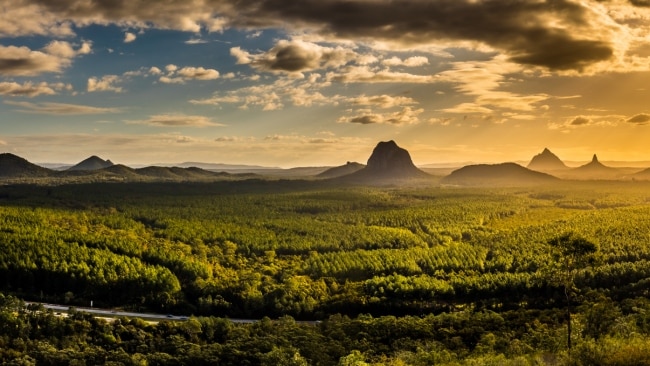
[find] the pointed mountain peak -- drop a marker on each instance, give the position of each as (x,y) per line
(92,163)
(546,161)
(594,159)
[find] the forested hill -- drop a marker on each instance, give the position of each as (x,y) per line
(12,166)
(506,174)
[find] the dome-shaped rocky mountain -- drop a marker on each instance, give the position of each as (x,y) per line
(92,163)
(12,166)
(546,161)
(505,174)
(387,163)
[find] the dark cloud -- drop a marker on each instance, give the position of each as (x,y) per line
(22,66)
(291,58)
(556,34)
(640,119)
(365,120)
(640,2)
(519,27)
(580,121)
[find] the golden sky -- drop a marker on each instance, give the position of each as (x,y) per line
(320,82)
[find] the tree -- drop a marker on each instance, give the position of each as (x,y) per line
(571,253)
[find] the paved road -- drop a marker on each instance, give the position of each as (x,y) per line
(116,313)
(144,316)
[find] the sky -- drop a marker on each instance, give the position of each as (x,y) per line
(320,82)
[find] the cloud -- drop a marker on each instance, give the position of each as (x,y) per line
(586,121)
(168,80)
(557,35)
(129,37)
(467,108)
(440,121)
(155,71)
(274,96)
(21,61)
(24,18)
(176,75)
(184,139)
(176,120)
(295,56)
(640,119)
(580,121)
(406,116)
(198,73)
(195,41)
(366,74)
(61,108)
(29,89)
(54,57)
(382,101)
(482,81)
(413,61)
(106,83)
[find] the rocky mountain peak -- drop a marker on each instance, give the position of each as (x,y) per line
(387,156)
(546,161)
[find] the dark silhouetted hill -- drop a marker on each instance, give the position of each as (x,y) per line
(92,163)
(177,173)
(339,171)
(546,161)
(388,163)
(157,172)
(121,170)
(505,174)
(12,166)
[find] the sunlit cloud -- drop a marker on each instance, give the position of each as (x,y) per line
(176,75)
(365,74)
(176,120)
(295,56)
(106,83)
(60,108)
(29,89)
(467,108)
(639,119)
(406,116)
(382,101)
(129,37)
(412,61)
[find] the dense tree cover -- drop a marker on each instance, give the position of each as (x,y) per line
(309,250)
(608,333)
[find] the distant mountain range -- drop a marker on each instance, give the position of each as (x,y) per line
(388,164)
(548,162)
(95,169)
